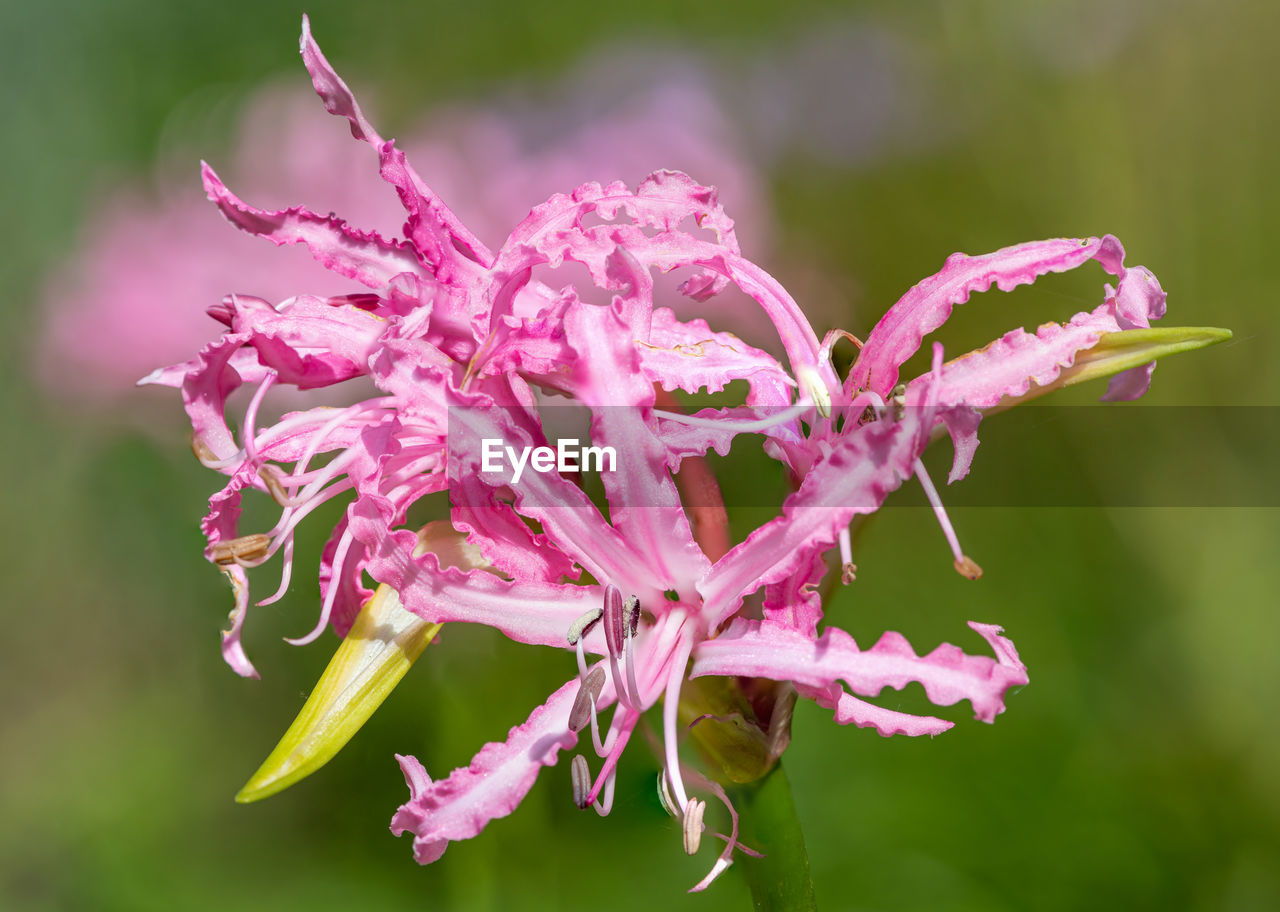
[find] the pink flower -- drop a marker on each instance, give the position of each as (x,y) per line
(157,256)
(461,348)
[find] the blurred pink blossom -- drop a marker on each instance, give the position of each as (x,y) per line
(152,261)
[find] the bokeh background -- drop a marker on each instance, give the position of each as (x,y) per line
(864,143)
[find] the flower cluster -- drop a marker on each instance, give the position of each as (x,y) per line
(458,344)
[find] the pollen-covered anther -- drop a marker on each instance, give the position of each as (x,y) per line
(812,386)
(693,825)
(241,550)
(967,567)
(585,701)
(848,573)
(580,774)
(582,626)
(630,616)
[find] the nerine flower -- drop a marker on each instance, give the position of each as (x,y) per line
(462,348)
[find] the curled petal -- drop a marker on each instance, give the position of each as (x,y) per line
(495,782)
(528,612)
(849,710)
(358,255)
(432,227)
(928,305)
(691,357)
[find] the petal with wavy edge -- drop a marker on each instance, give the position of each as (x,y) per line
(528,612)
(309,342)
(692,357)
(436,231)
(850,710)
(362,256)
(948,675)
(924,308)
(492,786)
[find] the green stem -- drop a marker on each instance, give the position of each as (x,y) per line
(780,880)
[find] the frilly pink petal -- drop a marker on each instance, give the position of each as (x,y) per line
(928,305)
(526,611)
(849,710)
(948,675)
(492,786)
(362,256)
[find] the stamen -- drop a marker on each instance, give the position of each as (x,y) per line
(580,776)
(630,623)
(760,424)
(605,804)
(811,385)
(582,626)
(286,574)
(614,637)
(270,476)
(326,608)
(848,573)
(664,796)
(241,550)
(613,620)
(670,729)
(585,702)
(963,564)
(693,825)
(251,415)
(631,615)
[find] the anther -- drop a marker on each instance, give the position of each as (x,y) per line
(270,476)
(693,825)
(582,626)
(967,567)
(848,573)
(580,774)
(238,550)
(664,796)
(631,616)
(584,703)
(613,620)
(811,384)
(202,451)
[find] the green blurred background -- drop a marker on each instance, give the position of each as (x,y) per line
(1137,771)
